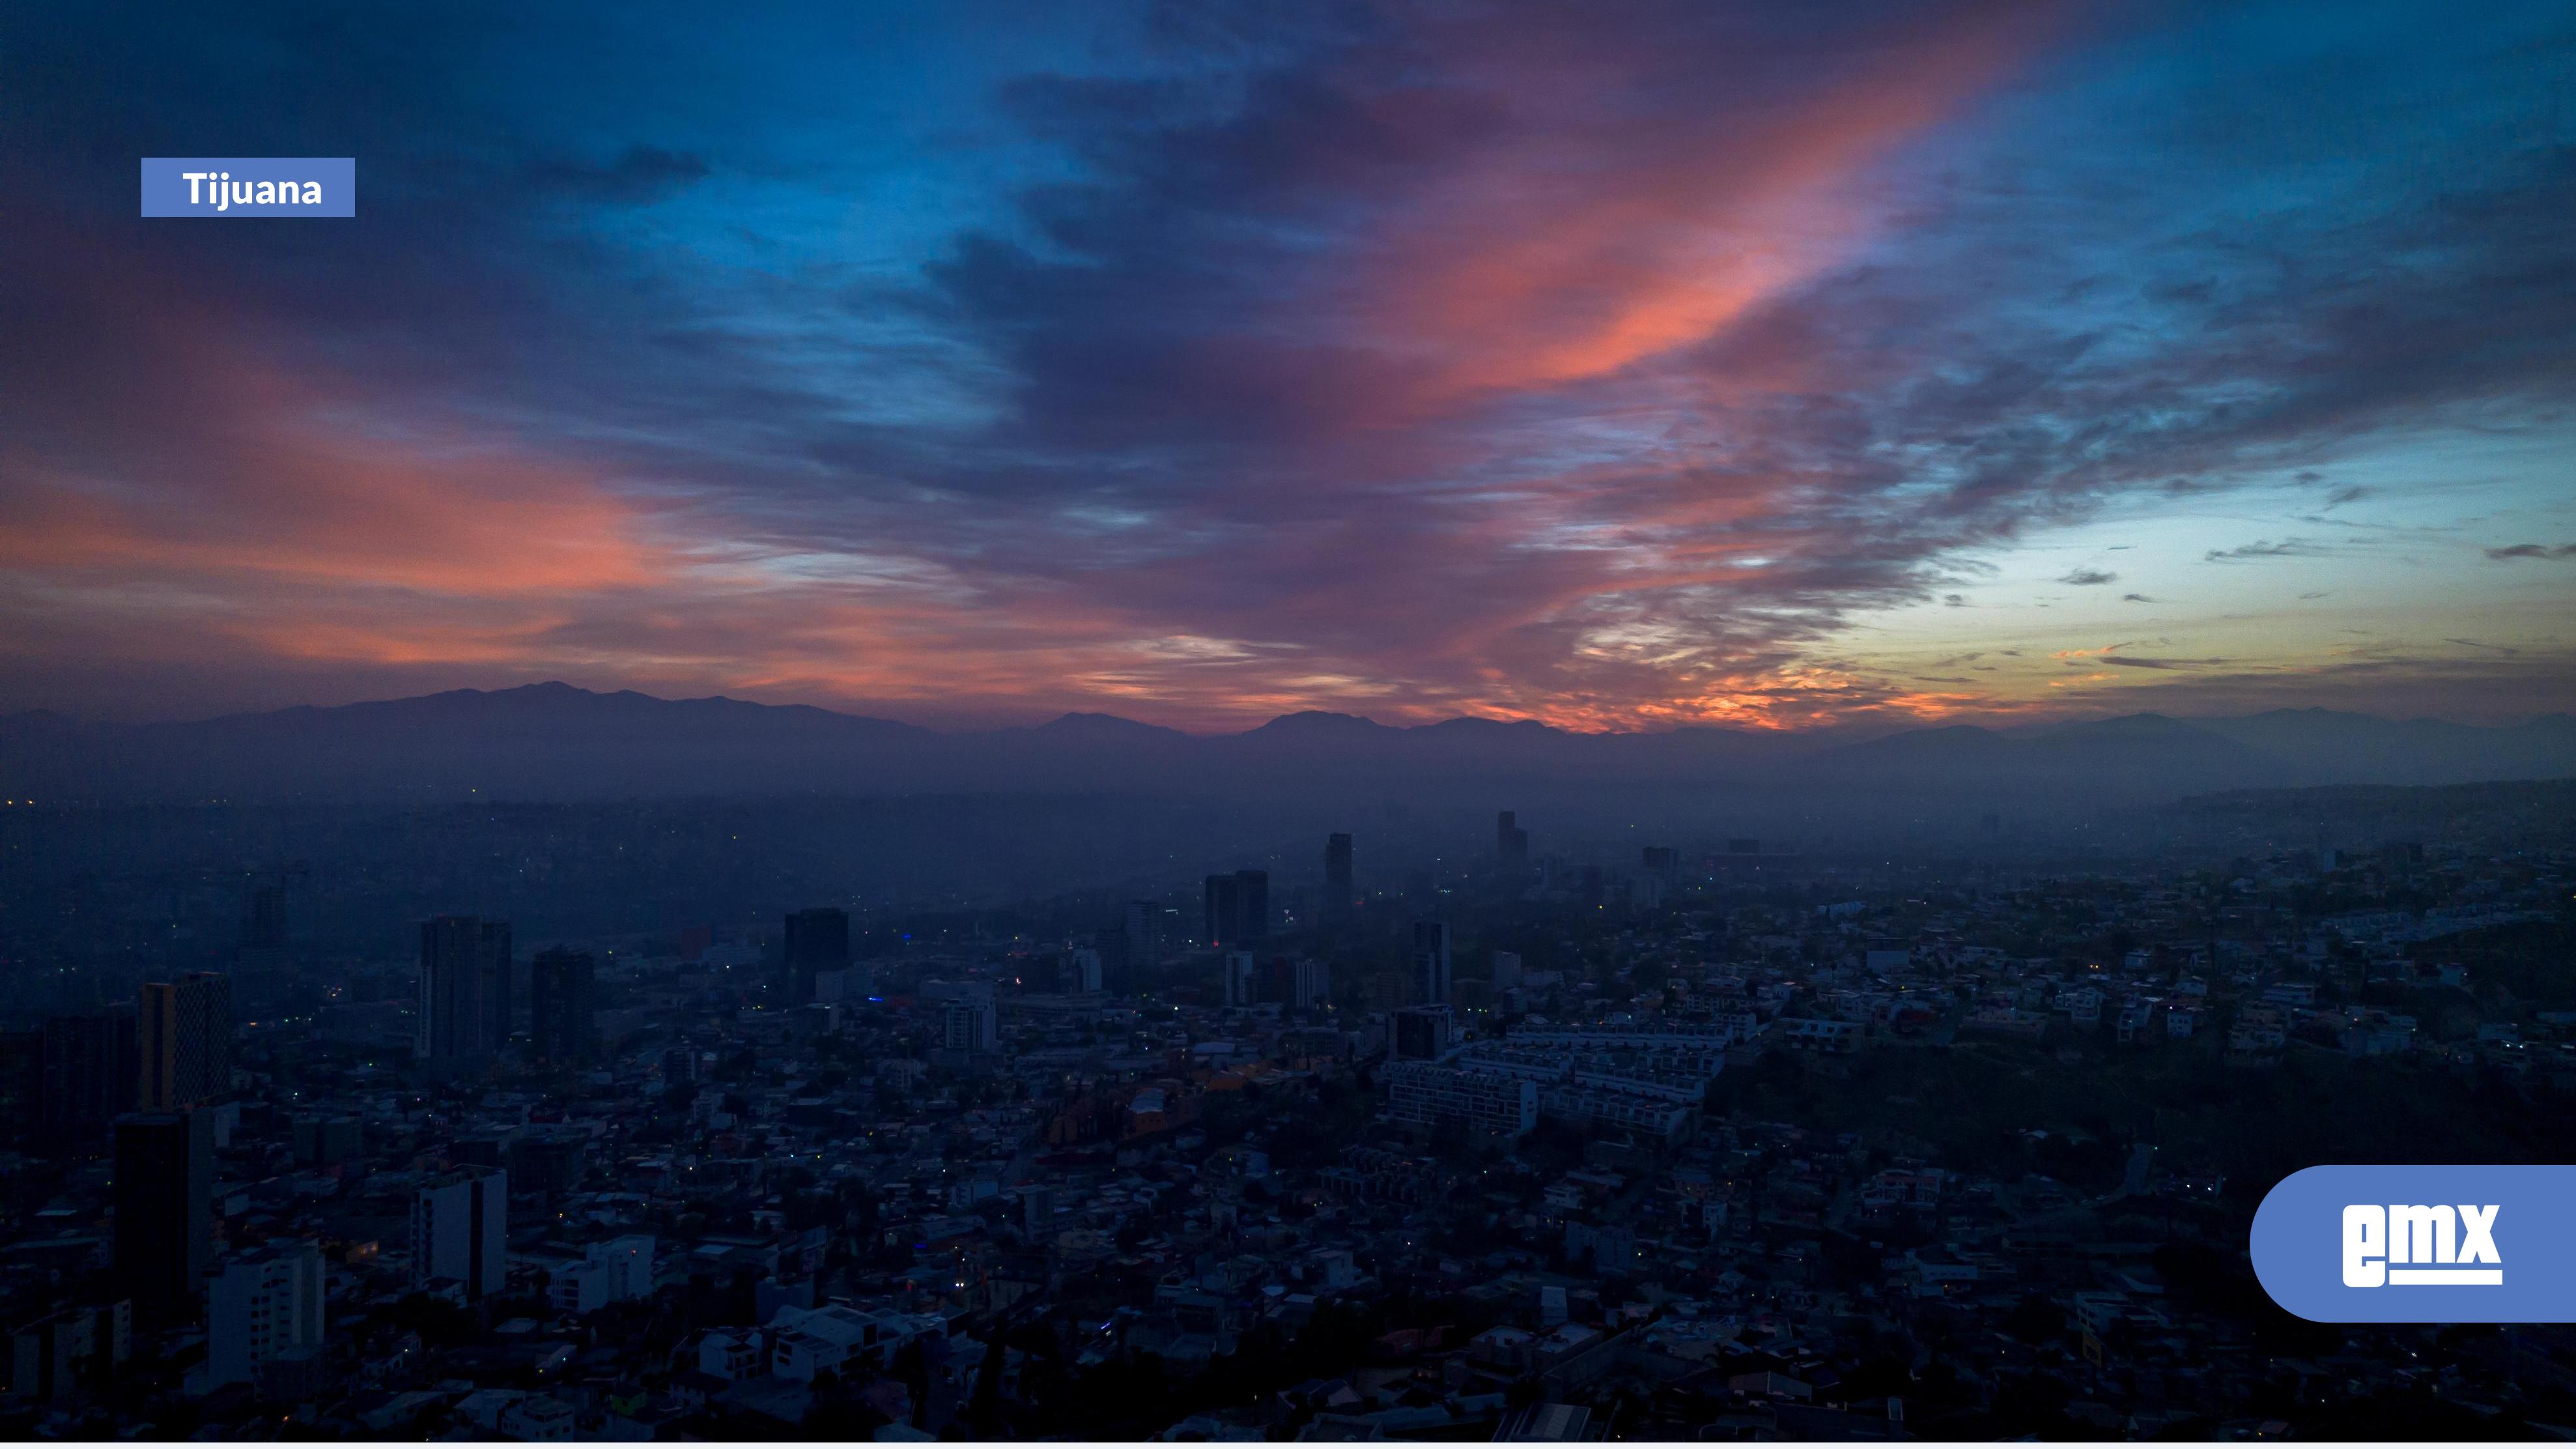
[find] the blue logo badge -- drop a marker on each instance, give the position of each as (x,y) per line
(2420,1244)
(250,186)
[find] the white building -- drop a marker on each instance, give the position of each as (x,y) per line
(460,1230)
(1423,1093)
(971,1022)
(806,1341)
(1314,984)
(263,1303)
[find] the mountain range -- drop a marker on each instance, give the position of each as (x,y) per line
(557,742)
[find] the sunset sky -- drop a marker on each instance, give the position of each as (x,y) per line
(1619,365)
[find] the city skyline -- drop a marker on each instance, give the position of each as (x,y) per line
(1923,363)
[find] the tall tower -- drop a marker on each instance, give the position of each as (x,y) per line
(817,941)
(562,1007)
(89,1073)
(1221,908)
(1252,906)
(464,989)
(165,1226)
(1431,962)
(1338,895)
(1511,843)
(185,1038)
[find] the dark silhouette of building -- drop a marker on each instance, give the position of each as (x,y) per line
(1338,895)
(91,1074)
(165,1183)
(1238,909)
(185,1039)
(1511,843)
(464,989)
(1252,893)
(1222,909)
(22,1088)
(563,1007)
(1423,1033)
(817,941)
(265,929)
(1662,860)
(1431,979)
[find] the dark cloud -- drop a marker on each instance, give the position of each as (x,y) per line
(2266,548)
(2533,550)
(2088,576)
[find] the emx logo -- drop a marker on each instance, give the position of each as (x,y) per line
(2420,1244)
(2437,1244)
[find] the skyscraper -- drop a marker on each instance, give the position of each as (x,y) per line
(1238,909)
(91,1073)
(164,1191)
(464,989)
(817,940)
(1221,910)
(184,1036)
(562,1008)
(1338,895)
(1511,843)
(460,1230)
(1252,900)
(1431,962)
(265,928)
(1312,985)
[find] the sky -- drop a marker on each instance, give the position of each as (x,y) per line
(1622,366)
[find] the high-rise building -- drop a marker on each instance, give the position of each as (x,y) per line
(185,1040)
(1662,860)
(1237,909)
(1339,897)
(1313,984)
(265,928)
(817,941)
(1082,971)
(1431,977)
(1511,843)
(91,1072)
(1222,909)
(464,989)
(1242,979)
(460,1230)
(165,1226)
(22,1089)
(1507,970)
(971,1021)
(263,1304)
(562,1007)
(1252,901)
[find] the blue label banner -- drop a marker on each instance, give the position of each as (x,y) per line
(250,186)
(2419,1244)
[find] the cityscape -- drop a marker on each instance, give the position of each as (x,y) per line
(1710,1139)
(1209,720)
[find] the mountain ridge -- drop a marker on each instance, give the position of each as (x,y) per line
(554,738)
